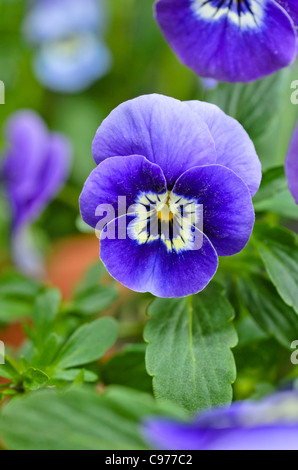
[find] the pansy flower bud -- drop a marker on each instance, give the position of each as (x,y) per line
(36,165)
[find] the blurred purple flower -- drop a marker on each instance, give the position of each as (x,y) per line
(292,165)
(171,156)
(71,52)
(35,167)
(231,40)
(271,424)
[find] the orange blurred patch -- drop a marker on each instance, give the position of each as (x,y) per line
(4,381)
(70,260)
(12,335)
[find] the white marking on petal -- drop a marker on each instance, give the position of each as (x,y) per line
(249,19)
(168,217)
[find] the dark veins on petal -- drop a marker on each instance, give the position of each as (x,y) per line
(240,7)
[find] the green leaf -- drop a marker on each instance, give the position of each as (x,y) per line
(89,343)
(268,309)
(9,392)
(253,104)
(281,204)
(188,351)
(278,248)
(17,295)
(87,420)
(71,374)
(258,107)
(128,368)
(249,332)
(91,297)
(16,284)
(44,313)
(24,364)
(11,369)
(15,309)
(8,372)
(95,300)
(45,356)
(92,278)
(35,379)
(274,181)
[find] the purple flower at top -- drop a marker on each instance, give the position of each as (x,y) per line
(182,166)
(231,40)
(35,166)
(292,165)
(271,424)
(71,52)
(53,19)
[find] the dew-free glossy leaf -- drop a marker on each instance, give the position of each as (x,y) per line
(278,248)
(89,343)
(189,349)
(81,419)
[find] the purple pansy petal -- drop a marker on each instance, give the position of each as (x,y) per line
(72,66)
(162,129)
(259,438)
(25,157)
(119,176)
(35,166)
(271,424)
(27,139)
(149,267)
(167,435)
(291,6)
(210,38)
(55,19)
(53,175)
(281,408)
(291,165)
(227,206)
(173,436)
(234,148)
(48,182)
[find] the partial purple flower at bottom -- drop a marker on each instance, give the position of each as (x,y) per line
(35,167)
(271,424)
(291,165)
(169,158)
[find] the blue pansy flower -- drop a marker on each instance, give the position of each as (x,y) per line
(292,165)
(35,166)
(231,40)
(71,52)
(168,158)
(271,424)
